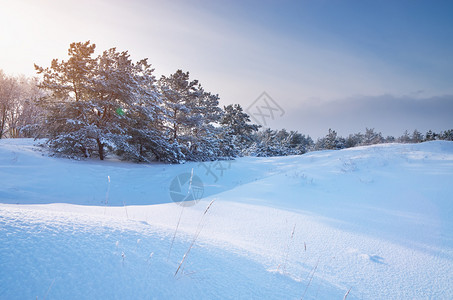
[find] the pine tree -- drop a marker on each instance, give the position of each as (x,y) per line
(191,118)
(178,95)
(389,139)
(447,135)
(266,144)
(405,138)
(237,130)
(205,142)
(270,142)
(99,104)
(354,140)
(298,143)
(331,141)
(129,93)
(70,88)
(371,137)
(431,136)
(417,136)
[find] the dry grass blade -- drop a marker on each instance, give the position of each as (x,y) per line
(285,262)
(48,290)
(208,207)
(176,230)
(180,214)
(347,293)
(197,233)
(311,278)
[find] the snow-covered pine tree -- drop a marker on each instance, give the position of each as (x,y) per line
(447,135)
(94,104)
(372,137)
(417,136)
(205,143)
(70,87)
(131,115)
(430,136)
(389,139)
(331,141)
(298,143)
(405,138)
(265,144)
(237,130)
(354,140)
(191,117)
(178,95)
(269,142)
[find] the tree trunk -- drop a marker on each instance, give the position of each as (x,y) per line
(100,149)
(175,126)
(3,121)
(84,151)
(141,154)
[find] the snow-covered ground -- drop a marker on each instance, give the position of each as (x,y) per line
(376,221)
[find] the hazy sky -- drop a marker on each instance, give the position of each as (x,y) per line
(344,65)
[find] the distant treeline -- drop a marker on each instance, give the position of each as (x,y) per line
(95,106)
(270,142)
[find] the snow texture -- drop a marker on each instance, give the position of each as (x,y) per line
(377,220)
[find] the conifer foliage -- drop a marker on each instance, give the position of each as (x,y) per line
(190,114)
(109,104)
(238,133)
(93,101)
(96,106)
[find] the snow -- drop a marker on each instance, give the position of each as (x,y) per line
(377,220)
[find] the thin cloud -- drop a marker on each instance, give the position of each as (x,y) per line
(390,114)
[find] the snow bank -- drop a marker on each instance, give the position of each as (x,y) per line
(377,219)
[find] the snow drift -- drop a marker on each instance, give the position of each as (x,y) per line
(376,220)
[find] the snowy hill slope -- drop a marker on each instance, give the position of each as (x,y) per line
(376,220)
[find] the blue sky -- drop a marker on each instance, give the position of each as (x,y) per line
(319,60)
